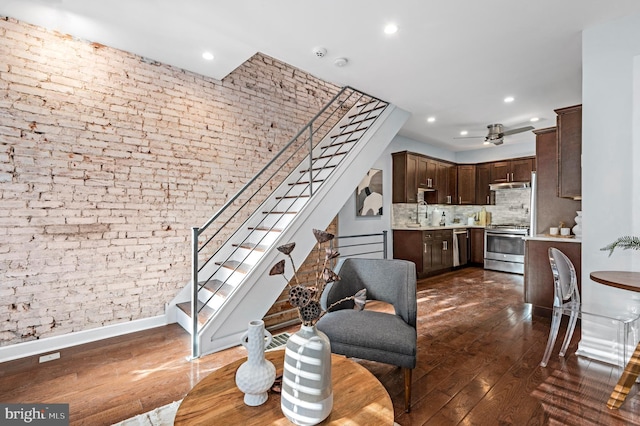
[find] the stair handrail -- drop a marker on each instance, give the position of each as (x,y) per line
(197,231)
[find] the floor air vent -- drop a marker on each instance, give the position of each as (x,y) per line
(278,341)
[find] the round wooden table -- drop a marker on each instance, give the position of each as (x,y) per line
(625,280)
(358,398)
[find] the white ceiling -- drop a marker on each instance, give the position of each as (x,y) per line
(455,60)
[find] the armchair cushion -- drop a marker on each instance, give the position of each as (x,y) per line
(350,331)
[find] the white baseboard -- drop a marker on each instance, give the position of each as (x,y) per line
(41,346)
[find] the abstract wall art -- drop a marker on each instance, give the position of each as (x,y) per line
(369,194)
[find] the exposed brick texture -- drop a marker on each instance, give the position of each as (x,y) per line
(106,161)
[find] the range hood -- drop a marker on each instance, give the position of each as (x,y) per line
(509,185)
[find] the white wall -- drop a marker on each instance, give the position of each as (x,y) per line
(610,163)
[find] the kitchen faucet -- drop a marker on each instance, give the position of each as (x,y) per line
(426,213)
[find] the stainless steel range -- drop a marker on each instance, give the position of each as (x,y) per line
(504,247)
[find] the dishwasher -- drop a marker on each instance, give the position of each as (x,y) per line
(461,247)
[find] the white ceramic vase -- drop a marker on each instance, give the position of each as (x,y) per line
(256,375)
(577,230)
(307,395)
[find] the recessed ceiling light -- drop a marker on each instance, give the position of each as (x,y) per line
(509,99)
(534,119)
(390,29)
(208,56)
(464,133)
(341,62)
(431,119)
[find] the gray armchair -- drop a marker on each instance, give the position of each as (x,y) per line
(368,334)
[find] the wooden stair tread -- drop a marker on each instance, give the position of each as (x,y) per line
(322,157)
(204,311)
(381,106)
(289,197)
(252,246)
(306,182)
(332,144)
(280,212)
(349,132)
(265,228)
(351,123)
(318,168)
(235,265)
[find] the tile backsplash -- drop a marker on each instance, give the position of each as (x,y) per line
(512,206)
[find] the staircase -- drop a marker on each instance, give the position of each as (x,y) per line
(303,187)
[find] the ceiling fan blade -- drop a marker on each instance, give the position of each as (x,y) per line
(468,137)
(519,130)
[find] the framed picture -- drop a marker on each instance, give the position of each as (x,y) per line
(369,194)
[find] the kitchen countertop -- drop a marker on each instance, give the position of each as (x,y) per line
(545,237)
(407,227)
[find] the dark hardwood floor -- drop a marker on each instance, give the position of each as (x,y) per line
(479,349)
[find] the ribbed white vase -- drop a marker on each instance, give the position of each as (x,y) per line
(256,375)
(307,394)
(577,230)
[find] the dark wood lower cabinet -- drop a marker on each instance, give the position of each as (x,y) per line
(538,279)
(431,251)
(477,246)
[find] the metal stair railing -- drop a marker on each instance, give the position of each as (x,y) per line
(360,245)
(241,206)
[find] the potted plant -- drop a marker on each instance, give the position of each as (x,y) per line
(625,243)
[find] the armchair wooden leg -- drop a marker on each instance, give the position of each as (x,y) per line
(407,389)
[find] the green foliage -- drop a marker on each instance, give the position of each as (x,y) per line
(624,243)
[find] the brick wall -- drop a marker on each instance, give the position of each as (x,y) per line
(106,161)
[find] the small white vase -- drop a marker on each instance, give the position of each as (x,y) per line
(307,394)
(577,230)
(256,375)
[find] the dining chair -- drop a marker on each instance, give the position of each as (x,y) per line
(373,335)
(566,301)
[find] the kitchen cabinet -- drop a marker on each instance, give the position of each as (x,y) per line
(446,183)
(483,179)
(431,251)
(414,172)
(521,169)
(569,127)
(552,209)
(466,183)
(538,278)
(518,170)
(407,245)
(477,246)
(405,178)
(441,251)
(427,173)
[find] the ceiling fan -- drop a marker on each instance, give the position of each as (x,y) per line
(497,133)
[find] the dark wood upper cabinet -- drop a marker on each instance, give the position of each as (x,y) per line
(551,209)
(521,169)
(518,170)
(448,183)
(415,172)
(405,178)
(466,184)
(427,173)
(569,125)
(483,179)
(500,171)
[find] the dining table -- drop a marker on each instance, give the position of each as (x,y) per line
(626,280)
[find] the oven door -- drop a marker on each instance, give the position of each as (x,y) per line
(504,247)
